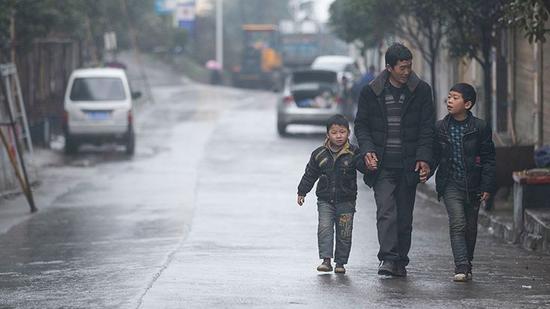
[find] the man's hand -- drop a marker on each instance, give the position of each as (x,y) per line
(301,200)
(424,169)
(485,196)
(371,161)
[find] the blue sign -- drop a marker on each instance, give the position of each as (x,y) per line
(187,25)
(185,15)
(164,7)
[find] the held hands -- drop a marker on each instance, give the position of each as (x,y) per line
(300,200)
(485,196)
(424,169)
(371,161)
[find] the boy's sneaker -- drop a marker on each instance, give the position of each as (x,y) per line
(339,269)
(469,275)
(461,273)
(325,266)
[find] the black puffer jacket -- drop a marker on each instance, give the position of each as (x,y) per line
(417,122)
(478,152)
(337,178)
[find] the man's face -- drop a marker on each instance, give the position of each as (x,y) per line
(456,104)
(338,135)
(401,71)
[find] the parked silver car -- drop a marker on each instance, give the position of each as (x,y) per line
(310,97)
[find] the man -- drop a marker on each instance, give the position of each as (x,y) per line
(365,80)
(394,129)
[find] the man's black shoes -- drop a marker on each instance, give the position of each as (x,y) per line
(401,270)
(387,268)
(392,268)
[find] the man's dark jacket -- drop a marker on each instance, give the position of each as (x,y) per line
(337,178)
(478,153)
(417,123)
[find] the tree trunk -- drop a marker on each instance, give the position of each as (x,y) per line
(487,66)
(90,42)
(363,51)
(12,37)
(487,86)
(433,66)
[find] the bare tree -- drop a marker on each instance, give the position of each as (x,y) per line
(423,23)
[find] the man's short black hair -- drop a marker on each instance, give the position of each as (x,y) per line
(397,52)
(467,91)
(338,120)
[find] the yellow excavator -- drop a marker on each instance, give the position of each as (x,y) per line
(261,63)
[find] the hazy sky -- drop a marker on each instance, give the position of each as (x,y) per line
(322,8)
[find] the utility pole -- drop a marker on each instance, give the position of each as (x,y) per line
(219,32)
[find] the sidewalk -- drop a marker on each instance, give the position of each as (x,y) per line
(14,207)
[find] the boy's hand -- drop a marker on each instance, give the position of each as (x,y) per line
(371,161)
(485,196)
(424,170)
(301,200)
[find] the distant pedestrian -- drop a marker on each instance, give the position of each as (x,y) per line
(364,81)
(394,128)
(334,165)
(465,154)
(215,69)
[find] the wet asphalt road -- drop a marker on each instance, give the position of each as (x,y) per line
(204,216)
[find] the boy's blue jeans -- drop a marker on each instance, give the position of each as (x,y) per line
(463,213)
(341,216)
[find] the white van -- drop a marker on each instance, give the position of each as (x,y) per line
(343,65)
(98,108)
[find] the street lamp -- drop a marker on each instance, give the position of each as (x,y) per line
(219,32)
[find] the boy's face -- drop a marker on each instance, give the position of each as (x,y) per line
(401,71)
(338,135)
(456,104)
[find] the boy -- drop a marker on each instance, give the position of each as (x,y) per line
(465,153)
(334,165)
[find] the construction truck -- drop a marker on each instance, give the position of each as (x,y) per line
(261,63)
(300,49)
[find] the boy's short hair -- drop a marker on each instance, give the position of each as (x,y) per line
(397,52)
(467,91)
(337,120)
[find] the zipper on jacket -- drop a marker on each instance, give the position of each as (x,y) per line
(385,112)
(464,163)
(333,182)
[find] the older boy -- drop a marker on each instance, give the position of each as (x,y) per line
(333,164)
(465,153)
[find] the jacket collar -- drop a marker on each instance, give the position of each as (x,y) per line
(470,127)
(378,84)
(345,149)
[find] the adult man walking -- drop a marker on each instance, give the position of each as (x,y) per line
(394,129)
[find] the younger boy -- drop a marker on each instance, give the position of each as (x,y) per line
(333,164)
(465,153)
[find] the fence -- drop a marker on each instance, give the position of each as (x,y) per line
(44,73)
